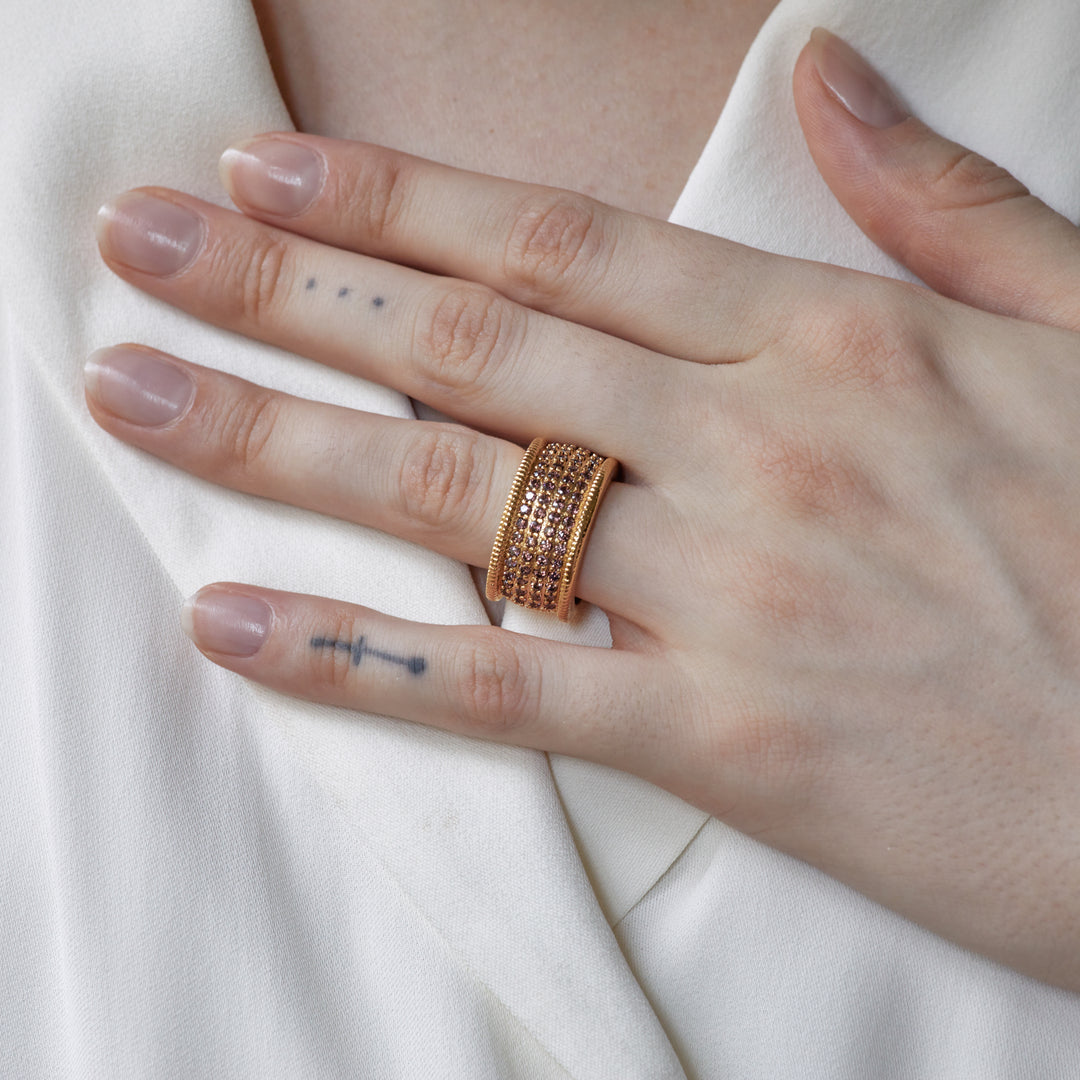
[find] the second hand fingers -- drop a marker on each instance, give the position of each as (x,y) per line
(438,485)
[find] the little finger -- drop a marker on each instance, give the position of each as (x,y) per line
(480,681)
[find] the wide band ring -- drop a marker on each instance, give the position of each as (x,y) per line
(546,524)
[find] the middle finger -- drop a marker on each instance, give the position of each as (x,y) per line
(461,347)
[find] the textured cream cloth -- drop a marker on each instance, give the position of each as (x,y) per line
(204,879)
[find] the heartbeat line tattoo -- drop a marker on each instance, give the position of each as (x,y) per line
(358,649)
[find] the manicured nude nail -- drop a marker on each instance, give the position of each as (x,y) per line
(226,622)
(860,89)
(138,386)
(274,176)
(149,234)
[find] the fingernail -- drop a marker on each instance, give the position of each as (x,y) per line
(226,622)
(138,386)
(148,233)
(860,89)
(274,176)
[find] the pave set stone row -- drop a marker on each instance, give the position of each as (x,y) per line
(540,526)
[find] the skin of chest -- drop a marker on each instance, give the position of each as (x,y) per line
(611,98)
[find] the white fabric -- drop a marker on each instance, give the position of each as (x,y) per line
(204,879)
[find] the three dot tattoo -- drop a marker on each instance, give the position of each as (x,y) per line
(343,292)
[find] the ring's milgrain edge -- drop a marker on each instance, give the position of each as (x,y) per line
(493,589)
(579,535)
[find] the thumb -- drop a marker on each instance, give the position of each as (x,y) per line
(964,225)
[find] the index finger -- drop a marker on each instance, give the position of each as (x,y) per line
(662,286)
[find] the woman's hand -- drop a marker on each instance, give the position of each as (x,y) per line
(843,564)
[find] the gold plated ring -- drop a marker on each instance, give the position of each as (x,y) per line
(546,524)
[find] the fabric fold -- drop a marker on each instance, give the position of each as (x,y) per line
(188,823)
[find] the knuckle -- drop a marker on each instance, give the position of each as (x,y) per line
(800,469)
(966,179)
(769,750)
(493,693)
(558,241)
(772,589)
(463,337)
(330,652)
(774,751)
(856,348)
(806,474)
(372,196)
(440,483)
(254,271)
(865,341)
(243,429)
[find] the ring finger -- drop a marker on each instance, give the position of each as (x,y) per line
(439,485)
